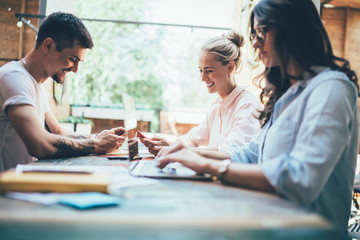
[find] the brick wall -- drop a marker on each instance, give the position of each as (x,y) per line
(11,34)
(343,27)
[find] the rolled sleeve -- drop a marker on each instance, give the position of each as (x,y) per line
(323,134)
(244,154)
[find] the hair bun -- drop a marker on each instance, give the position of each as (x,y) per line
(236,38)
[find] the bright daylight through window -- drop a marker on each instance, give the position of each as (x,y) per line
(157,64)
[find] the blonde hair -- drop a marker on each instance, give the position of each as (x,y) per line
(226,48)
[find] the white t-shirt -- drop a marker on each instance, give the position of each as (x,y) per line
(17,87)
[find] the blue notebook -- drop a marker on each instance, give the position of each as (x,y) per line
(89,200)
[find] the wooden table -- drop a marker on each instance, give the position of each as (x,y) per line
(172,209)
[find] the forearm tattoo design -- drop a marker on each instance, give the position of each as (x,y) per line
(76,136)
(67,147)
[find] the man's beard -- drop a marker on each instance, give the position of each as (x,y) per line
(57,79)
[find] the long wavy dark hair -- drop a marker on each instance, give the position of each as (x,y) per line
(300,34)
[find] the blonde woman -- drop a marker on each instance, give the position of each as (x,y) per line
(230,120)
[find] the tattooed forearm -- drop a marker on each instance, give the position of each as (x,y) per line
(67,147)
(76,136)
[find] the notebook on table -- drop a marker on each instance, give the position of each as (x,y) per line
(147,167)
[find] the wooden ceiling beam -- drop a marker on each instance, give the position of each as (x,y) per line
(353,4)
(326,2)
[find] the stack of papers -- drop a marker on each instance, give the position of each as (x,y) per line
(56,178)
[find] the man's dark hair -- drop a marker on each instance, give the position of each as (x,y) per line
(64,29)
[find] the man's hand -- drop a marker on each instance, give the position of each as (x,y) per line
(109,140)
(118,131)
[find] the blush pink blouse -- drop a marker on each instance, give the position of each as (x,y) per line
(230,121)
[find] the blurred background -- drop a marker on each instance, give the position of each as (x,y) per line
(149,49)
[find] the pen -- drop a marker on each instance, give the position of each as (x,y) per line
(153,132)
(117,158)
(56,171)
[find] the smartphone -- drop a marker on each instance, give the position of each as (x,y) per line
(140,134)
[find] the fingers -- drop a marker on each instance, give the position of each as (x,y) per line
(162,162)
(119,144)
(140,134)
(115,141)
(154,141)
(118,131)
(173,148)
(157,139)
(154,150)
(187,158)
(120,139)
(146,142)
(158,143)
(162,152)
(109,140)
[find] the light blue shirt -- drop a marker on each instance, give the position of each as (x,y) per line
(308,148)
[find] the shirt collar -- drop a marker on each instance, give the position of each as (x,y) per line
(231,97)
(307,76)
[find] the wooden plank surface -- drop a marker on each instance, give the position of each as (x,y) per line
(169,204)
(343,3)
